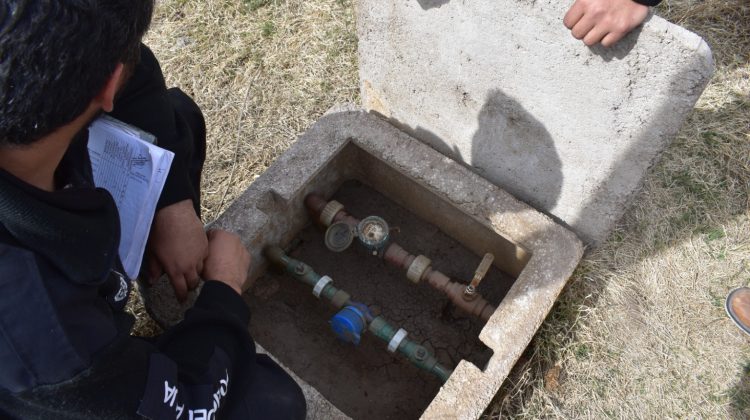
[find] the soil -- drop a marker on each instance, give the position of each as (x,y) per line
(365,381)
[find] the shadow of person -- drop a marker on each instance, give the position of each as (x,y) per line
(510,148)
(431,4)
(514,150)
(740,396)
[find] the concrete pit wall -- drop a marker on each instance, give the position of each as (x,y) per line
(362,158)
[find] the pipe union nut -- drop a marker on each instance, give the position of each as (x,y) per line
(417,268)
(396,340)
(330,211)
(320,285)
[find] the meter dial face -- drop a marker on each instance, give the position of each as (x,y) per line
(373,232)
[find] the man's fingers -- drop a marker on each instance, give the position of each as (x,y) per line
(154,270)
(575,13)
(213,234)
(611,39)
(583,27)
(199,268)
(192,280)
(594,36)
(180,287)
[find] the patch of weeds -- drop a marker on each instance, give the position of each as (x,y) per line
(326,86)
(253,5)
(351,39)
(711,138)
(690,184)
(617,237)
(582,351)
(268,29)
(600,387)
(715,234)
(256,57)
(685,219)
(719,398)
(717,300)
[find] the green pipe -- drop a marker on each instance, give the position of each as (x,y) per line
(416,353)
(307,275)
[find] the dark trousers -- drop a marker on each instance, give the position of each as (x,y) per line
(189,111)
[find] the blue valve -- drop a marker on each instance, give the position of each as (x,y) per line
(348,324)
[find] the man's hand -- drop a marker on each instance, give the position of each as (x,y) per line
(228,261)
(177,245)
(605,21)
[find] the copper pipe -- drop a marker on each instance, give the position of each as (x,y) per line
(476,305)
(395,255)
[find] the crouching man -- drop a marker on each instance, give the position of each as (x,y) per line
(65,345)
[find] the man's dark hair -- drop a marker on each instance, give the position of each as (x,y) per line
(57,55)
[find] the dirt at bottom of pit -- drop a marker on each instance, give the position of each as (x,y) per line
(365,381)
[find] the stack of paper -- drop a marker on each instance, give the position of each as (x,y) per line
(126,163)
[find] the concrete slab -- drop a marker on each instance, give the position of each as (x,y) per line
(502,86)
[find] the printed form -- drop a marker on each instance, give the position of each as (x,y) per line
(125,163)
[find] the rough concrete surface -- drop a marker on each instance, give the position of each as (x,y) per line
(355,145)
(502,86)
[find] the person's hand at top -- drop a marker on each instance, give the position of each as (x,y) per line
(228,261)
(604,21)
(177,246)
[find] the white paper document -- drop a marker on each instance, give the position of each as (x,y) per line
(133,170)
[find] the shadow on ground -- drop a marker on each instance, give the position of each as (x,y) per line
(698,202)
(740,396)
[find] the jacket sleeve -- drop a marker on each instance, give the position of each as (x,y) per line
(144,103)
(189,372)
(201,358)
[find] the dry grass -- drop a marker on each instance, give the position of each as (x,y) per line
(641,330)
(261,70)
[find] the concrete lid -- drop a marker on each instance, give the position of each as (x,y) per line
(502,86)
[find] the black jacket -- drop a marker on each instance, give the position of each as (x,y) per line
(65,344)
